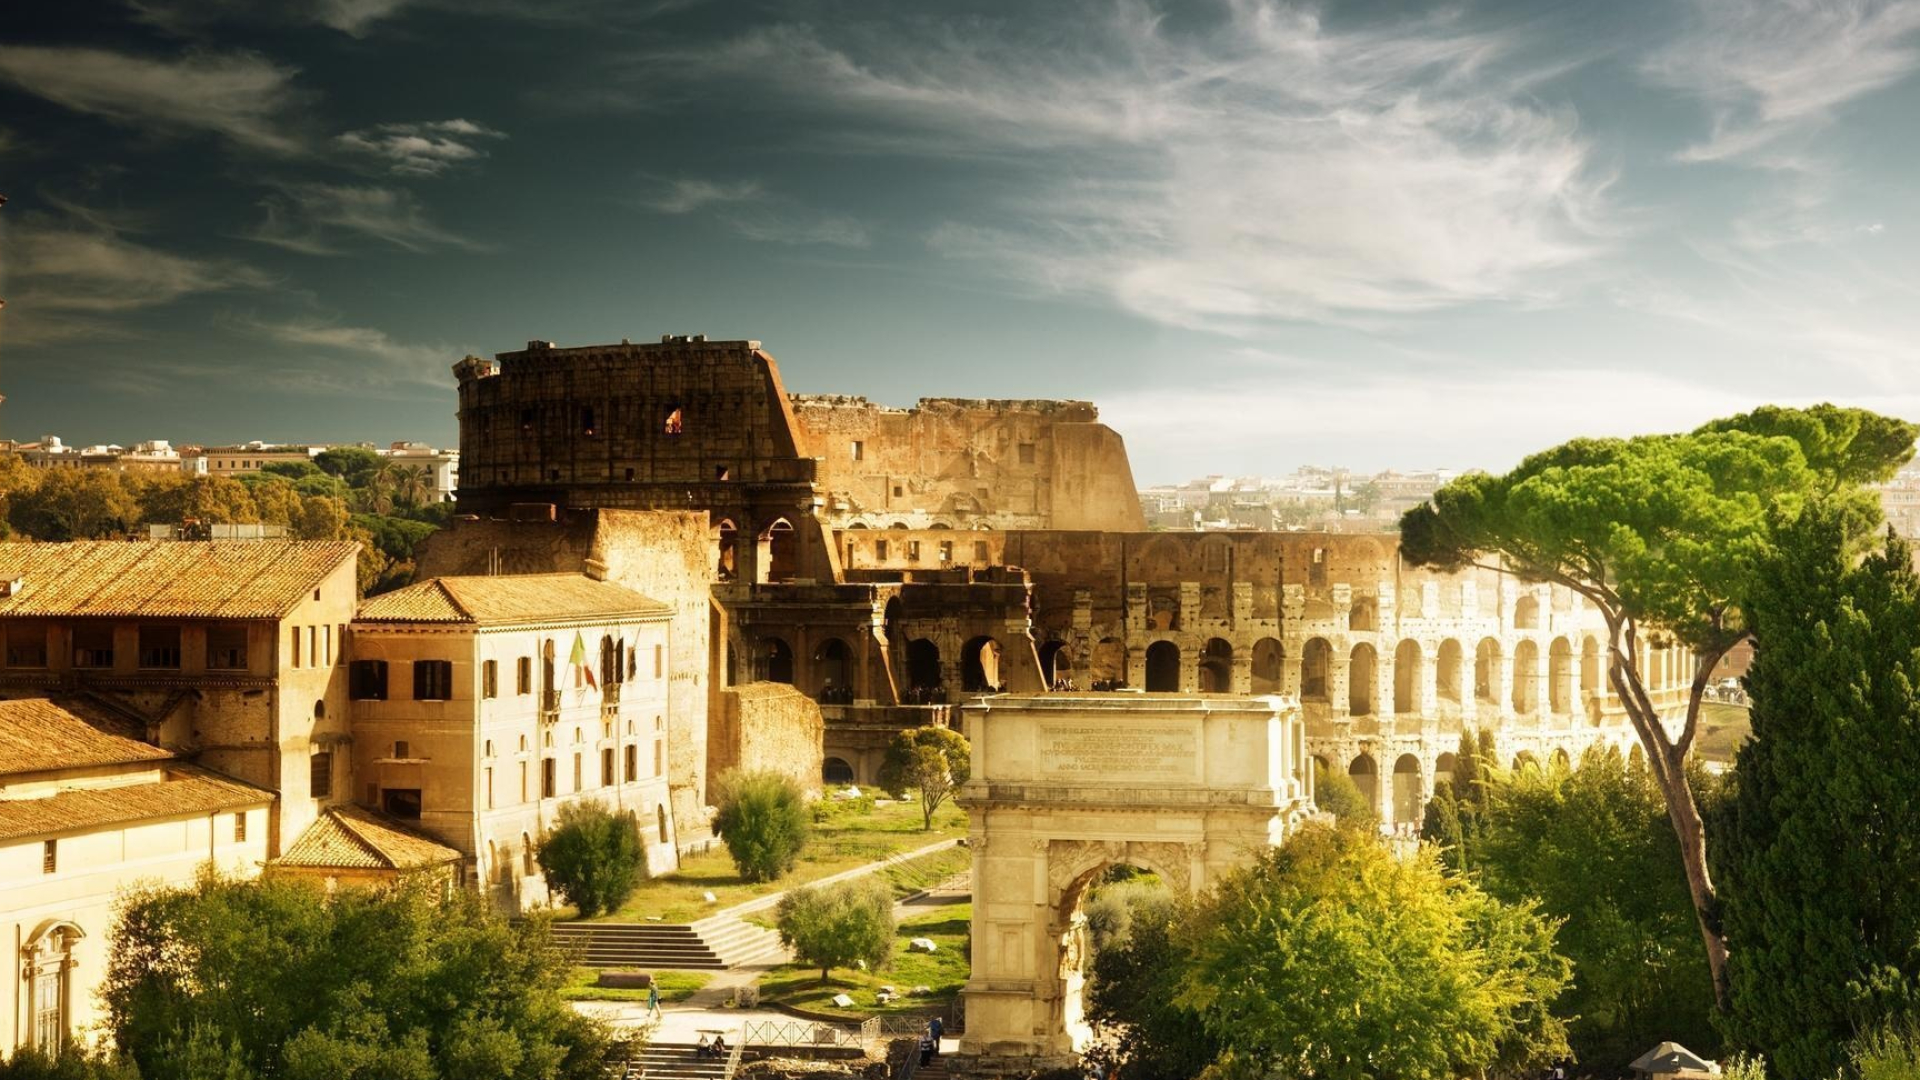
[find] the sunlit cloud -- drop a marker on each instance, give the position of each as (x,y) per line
(240,96)
(350,355)
(423,149)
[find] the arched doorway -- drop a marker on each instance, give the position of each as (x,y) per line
(1363,688)
(1216,667)
(1269,666)
(1107,668)
(923,670)
(776,657)
(1526,678)
(1560,677)
(726,541)
(1365,776)
(1056,665)
(835,772)
(779,552)
(1408,671)
(1407,802)
(1163,667)
(980,666)
(833,672)
(1315,660)
(1446,672)
(1487,679)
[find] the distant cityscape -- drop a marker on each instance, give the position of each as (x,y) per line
(441,467)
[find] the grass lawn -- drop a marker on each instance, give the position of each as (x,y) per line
(1723,728)
(943,972)
(674,986)
(847,839)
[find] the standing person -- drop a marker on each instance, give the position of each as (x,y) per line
(926,1050)
(934,1030)
(653,1000)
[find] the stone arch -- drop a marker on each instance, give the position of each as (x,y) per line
(980,665)
(1560,677)
(1447,669)
(1108,665)
(776,658)
(1365,775)
(1163,667)
(1444,765)
(1561,761)
(1269,666)
(1364,614)
(1363,680)
(833,671)
(1408,665)
(1056,663)
(1590,666)
(1316,663)
(726,549)
(1216,667)
(1526,613)
(779,551)
(1408,790)
(836,772)
(1526,681)
(1487,681)
(923,664)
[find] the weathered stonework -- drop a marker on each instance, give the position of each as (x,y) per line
(766,727)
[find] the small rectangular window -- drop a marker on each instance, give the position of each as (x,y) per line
(657,758)
(367,680)
(313,646)
(160,647)
(606,766)
(578,783)
(946,551)
(980,553)
(721,473)
(320,775)
(326,640)
(523,781)
(294,655)
(433,680)
(633,763)
(523,675)
(489,787)
(549,778)
(490,679)
(402,749)
(659,665)
(880,550)
(859,450)
(240,827)
(913,551)
(50,857)
(93,646)
(1026,453)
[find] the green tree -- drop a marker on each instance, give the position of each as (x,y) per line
(1129,992)
(292,470)
(1337,794)
(276,978)
(16,478)
(319,517)
(72,1063)
(210,500)
(354,464)
(933,761)
(763,820)
(593,857)
(1816,852)
(1661,535)
(1594,848)
(75,504)
(1330,957)
(838,925)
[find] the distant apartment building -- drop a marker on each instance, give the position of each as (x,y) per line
(442,467)
(1900,501)
(250,458)
(481,706)
(155,455)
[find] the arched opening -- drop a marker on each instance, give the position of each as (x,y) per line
(1269,666)
(1562,763)
(1560,677)
(776,657)
(1216,667)
(1486,672)
(726,541)
(779,552)
(1364,615)
(1315,660)
(1163,667)
(833,670)
(546,667)
(320,709)
(1408,665)
(1447,671)
(835,772)
(923,670)
(1526,613)
(1590,668)
(1636,759)
(1094,912)
(1365,776)
(1407,791)
(1363,685)
(1443,767)
(1526,678)
(1525,760)
(1056,665)
(1107,668)
(980,666)
(47,966)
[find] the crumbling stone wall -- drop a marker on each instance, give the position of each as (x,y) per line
(766,726)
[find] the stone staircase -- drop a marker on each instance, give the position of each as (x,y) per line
(675,1061)
(712,944)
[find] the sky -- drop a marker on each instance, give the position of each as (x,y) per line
(1256,234)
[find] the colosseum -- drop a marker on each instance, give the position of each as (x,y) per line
(891,562)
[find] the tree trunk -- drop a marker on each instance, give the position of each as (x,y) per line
(1684,813)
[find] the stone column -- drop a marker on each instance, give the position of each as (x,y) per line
(1241,681)
(1290,666)
(1337,696)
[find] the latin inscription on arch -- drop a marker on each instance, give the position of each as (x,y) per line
(1092,752)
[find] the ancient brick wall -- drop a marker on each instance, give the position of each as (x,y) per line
(766,726)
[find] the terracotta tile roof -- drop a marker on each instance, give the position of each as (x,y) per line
(186,792)
(506,599)
(355,838)
(215,579)
(40,735)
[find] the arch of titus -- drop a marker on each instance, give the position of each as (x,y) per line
(1066,785)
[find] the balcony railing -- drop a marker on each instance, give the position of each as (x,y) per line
(610,693)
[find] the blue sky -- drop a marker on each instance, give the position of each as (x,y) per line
(1257,234)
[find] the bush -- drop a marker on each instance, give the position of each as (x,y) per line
(72,1063)
(764,821)
(593,857)
(1337,794)
(838,925)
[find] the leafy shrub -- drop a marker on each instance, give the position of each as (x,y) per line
(838,925)
(764,821)
(593,857)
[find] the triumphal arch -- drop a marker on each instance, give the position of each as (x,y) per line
(1065,786)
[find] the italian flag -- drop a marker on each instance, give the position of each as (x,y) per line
(578,658)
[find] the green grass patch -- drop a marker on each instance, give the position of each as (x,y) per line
(843,841)
(674,986)
(943,972)
(909,876)
(1723,728)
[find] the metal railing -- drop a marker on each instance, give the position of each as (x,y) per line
(733,1059)
(801,1033)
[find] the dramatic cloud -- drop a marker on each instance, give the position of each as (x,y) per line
(79,277)
(424,149)
(356,354)
(323,219)
(237,95)
(1775,67)
(748,209)
(1265,168)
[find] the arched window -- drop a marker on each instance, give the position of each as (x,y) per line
(1056,665)
(676,421)
(778,656)
(1486,672)
(1314,662)
(320,709)
(1365,614)
(1363,676)
(1526,614)
(779,552)
(1216,667)
(980,666)
(833,671)
(47,966)
(1407,804)
(1366,776)
(1526,678)
(1446,672)
(1407,673)
(1560,677)
(923,664)
(1269,666)
(1163,667)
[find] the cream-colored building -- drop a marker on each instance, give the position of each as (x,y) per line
(85,814)
(482,705)
(232,653)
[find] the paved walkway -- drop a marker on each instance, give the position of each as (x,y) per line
(761,903)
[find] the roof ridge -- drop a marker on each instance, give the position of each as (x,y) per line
(454,599)
(346,824)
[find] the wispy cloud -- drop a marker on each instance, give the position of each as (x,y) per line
(422,149)
(326,219)
(355,355)
(1267,167)
(1774,68)
(746,207)
(239,96)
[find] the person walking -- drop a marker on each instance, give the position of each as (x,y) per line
(653,1000)
(934,1030)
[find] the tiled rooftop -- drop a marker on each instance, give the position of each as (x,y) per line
(507,599)
(355,838)
(186,792)
(231,579)
(42,735)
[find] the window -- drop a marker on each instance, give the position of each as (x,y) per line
(93,646)
(490,679)
(489,749)
(660,815)
(49,959)
(432,680)
(548,778)
(633,763)
(523,781)
(722,473)
(913,551)
(401,802)
(240,827)
(659,666)
(320,775)
(858,451)
(367,680)
(160,647)
(587,426)
(578,785)
(657,762)
(523,675)
(676,422)
(629,474)
(402,748)
(326,640)
(980,552)
(27,646)
(50,857)
(295,654)
(880,550)
(489,780)
(1026,453)
(526,421)
(606,766)
(946,551)
(313,646)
